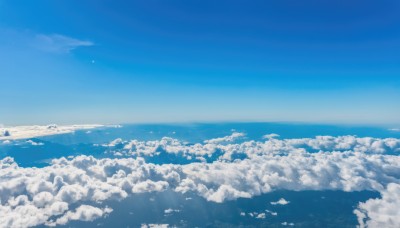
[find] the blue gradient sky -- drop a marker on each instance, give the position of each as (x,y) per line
(321,61)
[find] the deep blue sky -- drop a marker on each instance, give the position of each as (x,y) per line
(323,61)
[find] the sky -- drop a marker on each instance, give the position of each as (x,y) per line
(318,61)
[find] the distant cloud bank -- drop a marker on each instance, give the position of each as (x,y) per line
(23,132)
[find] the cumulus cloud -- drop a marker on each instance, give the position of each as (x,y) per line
(33,143)
(230,138)
(23,132)
(231,151)
(82,213)
(270,136)
(383,212)
(170,211)
(261,216)
(57,43)
(54,194)
(281,201)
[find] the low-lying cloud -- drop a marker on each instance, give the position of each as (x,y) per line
(74,189)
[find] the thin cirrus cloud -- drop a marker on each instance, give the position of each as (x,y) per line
(57,43)
(74,189)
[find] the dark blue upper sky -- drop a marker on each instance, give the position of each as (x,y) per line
(160,61)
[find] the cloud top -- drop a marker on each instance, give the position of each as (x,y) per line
(74,189)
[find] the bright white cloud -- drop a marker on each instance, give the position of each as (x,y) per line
(261,216)
(23,132)
(170,211)
(382,212)
(271,146)
(33,143)
(34,196)
(270,136)
(82,213)
(230,138)
(281,201)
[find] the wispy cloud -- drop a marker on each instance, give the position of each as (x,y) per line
(57,43)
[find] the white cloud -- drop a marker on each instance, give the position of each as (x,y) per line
(33,143)
(383,212)
(230,138)
(23,132)
(273,213)
(114,143)
(82,213)
(271,146)
(57,43)
(33,196)
(261,216)
(281,201)
(170,211)
(270,136)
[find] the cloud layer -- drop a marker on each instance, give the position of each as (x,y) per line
(22,132)
(74,189)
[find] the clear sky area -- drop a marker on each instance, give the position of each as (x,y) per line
(318,61)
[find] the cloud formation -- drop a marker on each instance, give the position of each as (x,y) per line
(23,132)
(56,194)
(228,150)
(281,201)
(383,212)
(57,43)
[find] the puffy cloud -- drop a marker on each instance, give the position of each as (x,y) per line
(270,136)
(383,212)
(230,138)
(82,213)
(261,216)
(63,190)
(281,201)
(114,143)
(170,210)
(23,132)
(231,151)
(33,143)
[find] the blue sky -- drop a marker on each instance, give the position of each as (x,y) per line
(180,61)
